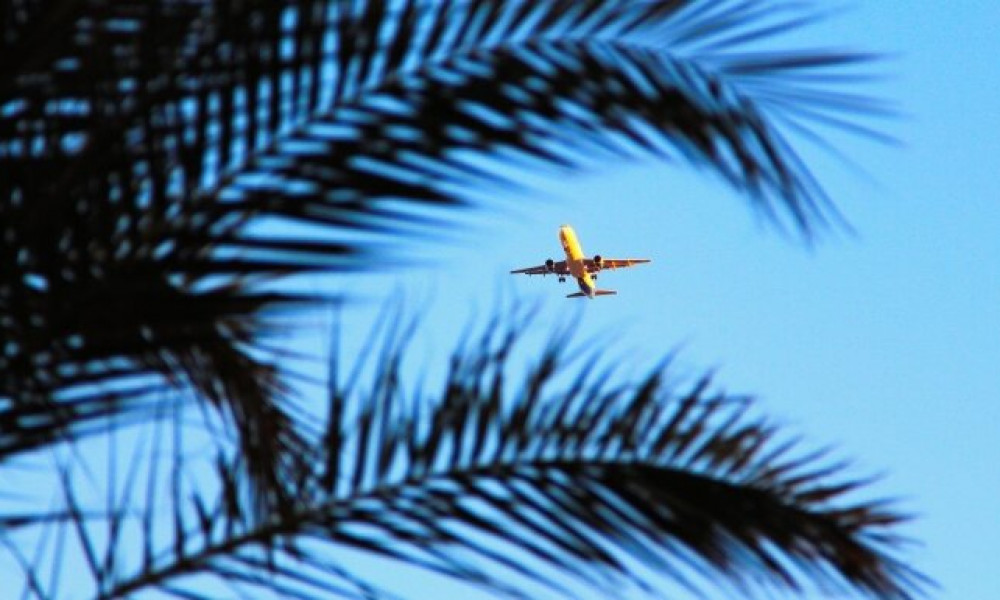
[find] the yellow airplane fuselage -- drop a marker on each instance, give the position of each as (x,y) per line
(575,260)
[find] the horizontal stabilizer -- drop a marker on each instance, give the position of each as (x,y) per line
(596,293)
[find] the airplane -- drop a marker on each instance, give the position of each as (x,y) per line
(576,264)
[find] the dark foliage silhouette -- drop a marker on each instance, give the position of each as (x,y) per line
(149,148)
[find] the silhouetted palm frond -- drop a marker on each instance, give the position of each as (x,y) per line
(138,140)
(587,476)
(148,148)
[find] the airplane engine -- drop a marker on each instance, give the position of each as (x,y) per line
(550,265)
(598,262)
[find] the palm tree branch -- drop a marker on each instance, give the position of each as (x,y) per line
(365,176)
(352,158)
(585,478)
(644,509)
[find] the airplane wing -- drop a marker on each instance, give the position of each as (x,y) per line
(612,263)
(557,268)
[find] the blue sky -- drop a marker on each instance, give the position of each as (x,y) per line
(884,343)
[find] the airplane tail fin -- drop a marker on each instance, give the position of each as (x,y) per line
(596,293)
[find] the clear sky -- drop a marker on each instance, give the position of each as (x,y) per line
(885,343)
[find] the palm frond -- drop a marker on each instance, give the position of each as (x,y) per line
(601,482)
(146,148)
(457,82)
